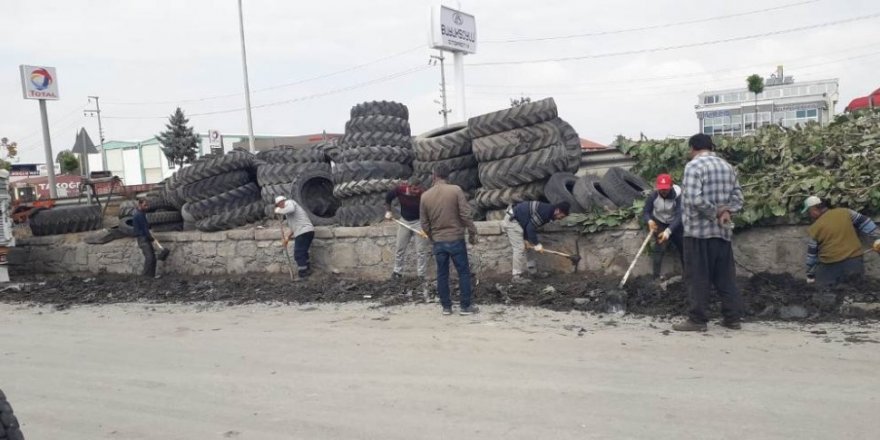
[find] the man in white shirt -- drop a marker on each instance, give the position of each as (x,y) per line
(301,231)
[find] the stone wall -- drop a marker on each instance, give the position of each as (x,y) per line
(368,252)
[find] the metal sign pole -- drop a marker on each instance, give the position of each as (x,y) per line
(47,144)
(458,60)
(247,90)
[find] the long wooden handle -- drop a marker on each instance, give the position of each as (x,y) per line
(548,251)
(633,264)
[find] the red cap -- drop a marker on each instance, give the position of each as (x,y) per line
(664,181)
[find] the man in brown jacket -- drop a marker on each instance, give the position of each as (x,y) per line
(445,214)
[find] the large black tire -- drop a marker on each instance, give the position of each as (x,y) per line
(359,187)
(443,143)
(624,187)
(167,227)
(374,138)
(331,150)
(233,218)
(453,164)
(126,208)
(215,165)
(514,117)
(591,196)
(212,186)
(269,192)
(370,169)
(290,154)
(274,173)
(386,124)
(360,215)
(173,197)
(369,199)
(572,142)
(10,429)
(155,219)
(489,199)
(386,153)
(226,201)
(468,179)
(522,169)
(185,215)
(517,141)
(104,237)
(66,219)
(560,189)
(383,108)
(313,190)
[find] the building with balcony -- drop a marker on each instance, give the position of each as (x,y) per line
(731,112)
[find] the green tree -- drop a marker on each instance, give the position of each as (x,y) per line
(179,143)
(11,150)
(68,161)
(756,86)
(516,102)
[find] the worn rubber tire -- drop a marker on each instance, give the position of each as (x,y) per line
(290,154)
(331,150)
(233,218)
(369,199)
(215,165)
(105,236)
(167,227)
(514,117)
(126,208)
(185,215)
(572,142)
(517,141)
(522,169)
(313,190)
(212,186)
(468,179)
(66,219)
(383,108)
(386,153)
(269,192)
(359,187)
(375,138)
(368,170)
(274,173)
(453,164)
(360,215)
(228,200)
(489,199)
(624,187)
(377,123)
(560,187)
(10,429)
(443,143)
(158,218)
(590,195)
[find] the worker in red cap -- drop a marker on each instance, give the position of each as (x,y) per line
(663,215)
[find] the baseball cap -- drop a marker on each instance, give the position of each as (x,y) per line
(810,202)
(279,199)
(664,181)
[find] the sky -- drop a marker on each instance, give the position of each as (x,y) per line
(612,67)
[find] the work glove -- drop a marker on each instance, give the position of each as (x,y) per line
(539,248)
(652,226)
(811,278)
(876,245)
(423,235)
(664,235)
(388,215)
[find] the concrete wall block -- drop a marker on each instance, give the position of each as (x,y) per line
(348,232)
(267,234)
(213,236)
(488,228)
(323,232)
(240,234)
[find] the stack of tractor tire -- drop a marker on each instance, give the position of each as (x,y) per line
(449,146)
(375,155)
(617,188)
(301,174)
(518,150)
(10,429)
(66,220)
(220,192)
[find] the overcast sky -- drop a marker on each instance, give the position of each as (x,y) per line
(144,58)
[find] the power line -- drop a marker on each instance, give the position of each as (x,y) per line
(681,46)
(655,26)
(63,117)
(278,86)
(292,100)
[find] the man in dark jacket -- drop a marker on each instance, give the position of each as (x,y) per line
(144,238)
(521,224)
(663,215)
(410,196)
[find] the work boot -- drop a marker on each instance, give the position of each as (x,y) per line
(469,311)
(304,273)
(689,326)
(732,325)
(447,311)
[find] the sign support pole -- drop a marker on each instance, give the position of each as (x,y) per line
(47,144)
(247,88)
(458,60)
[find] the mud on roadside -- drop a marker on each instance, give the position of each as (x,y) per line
(767,296)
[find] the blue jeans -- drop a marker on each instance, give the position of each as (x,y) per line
(457,250)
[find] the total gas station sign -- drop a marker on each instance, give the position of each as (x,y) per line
(39,82)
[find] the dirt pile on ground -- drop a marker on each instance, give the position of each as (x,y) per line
(767,296)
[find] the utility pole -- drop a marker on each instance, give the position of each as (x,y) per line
(97,112)
(247,88)
(444,110)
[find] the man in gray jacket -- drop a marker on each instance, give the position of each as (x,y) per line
(301,231)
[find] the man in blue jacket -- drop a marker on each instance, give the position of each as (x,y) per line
(144,238)
(521,224)
(663,215)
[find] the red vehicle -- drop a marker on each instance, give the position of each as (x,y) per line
(871,101)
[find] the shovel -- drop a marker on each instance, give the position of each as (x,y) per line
(575,259)
(417,231)
(163,253)
(617,297)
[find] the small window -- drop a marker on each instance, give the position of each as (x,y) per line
(801,114)
(812,113)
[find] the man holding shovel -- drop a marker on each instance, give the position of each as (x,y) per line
(834,253)
(521,225)
(410,197)
(662,213)
(301,231)
(145,239)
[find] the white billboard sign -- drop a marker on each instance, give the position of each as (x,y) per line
(39,82)
(215,141)
(453,30)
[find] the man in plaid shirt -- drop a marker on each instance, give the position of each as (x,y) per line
(711,195)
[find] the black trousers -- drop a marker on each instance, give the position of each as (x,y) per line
(709,262)
(149,257)
(832,274)
(301,245)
